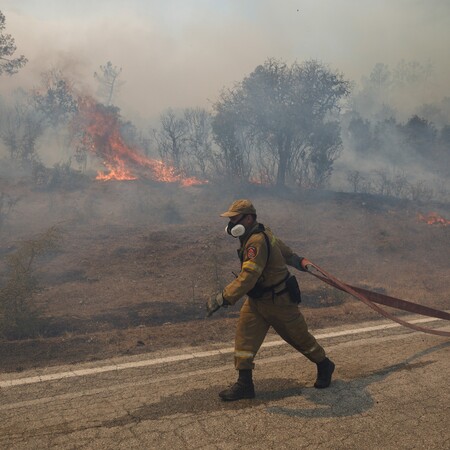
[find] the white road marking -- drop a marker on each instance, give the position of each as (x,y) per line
(184,375)
(185,357)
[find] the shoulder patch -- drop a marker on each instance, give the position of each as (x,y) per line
(251,252)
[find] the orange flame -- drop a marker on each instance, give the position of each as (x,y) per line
(117,171)
(100,127)
(433,218)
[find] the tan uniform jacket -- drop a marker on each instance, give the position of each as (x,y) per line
(256,264)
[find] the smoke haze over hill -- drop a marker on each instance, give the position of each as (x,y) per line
(180,54)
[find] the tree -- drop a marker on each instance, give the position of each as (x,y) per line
(411,73)
(385,90)
(380,78)
(8,64)
(233,161)
(421,135)
(57,103)
(371,100)
(433,113)
(109,83)
(444,137)
(20,129)
(287,111)
(171,138)
(313,167)
(56,100)
(356,179)
(199,138)
(360,134)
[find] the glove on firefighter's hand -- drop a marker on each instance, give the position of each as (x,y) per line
(214,303)
(299,263)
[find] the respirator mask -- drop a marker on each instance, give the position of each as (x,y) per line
(235,229)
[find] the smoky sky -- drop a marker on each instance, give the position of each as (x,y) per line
(178,53)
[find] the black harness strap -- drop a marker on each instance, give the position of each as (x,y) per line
(258,290)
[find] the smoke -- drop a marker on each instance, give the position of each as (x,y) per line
(180,54)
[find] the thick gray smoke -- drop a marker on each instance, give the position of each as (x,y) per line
(180,54)
(390,138)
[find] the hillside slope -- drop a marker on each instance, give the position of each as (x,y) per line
(137,261)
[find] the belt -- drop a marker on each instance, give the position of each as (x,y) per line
(281,284)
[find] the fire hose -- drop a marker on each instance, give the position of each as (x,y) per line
(370,298)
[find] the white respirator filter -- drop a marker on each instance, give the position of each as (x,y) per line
(238,230)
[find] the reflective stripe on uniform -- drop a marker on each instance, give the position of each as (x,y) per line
(273,240)
(312,349)
(243,354)
(252,266)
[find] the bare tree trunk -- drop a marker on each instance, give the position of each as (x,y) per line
(284,154)
(111,91)
(282,167)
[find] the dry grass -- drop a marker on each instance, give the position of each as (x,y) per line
(138,259)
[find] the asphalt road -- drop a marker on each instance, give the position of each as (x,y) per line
(390,391)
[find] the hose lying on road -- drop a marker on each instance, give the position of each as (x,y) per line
(370,298)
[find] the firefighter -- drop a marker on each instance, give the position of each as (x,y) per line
(272,300)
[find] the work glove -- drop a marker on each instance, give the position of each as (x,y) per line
(214,303)
(299,263)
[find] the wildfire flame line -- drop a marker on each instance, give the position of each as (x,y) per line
(433,218)
(101,134)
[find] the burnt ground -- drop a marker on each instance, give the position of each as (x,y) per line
(137,261)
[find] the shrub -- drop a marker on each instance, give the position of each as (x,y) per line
(7,204)
(19,317)
(61,176)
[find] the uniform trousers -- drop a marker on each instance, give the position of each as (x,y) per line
(258,315)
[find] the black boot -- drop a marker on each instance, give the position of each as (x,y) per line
(325,370)
(243,388)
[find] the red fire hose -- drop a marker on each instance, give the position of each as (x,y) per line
(370,298)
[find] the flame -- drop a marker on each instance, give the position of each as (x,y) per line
(117,171)
(99,127)
(433,218)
